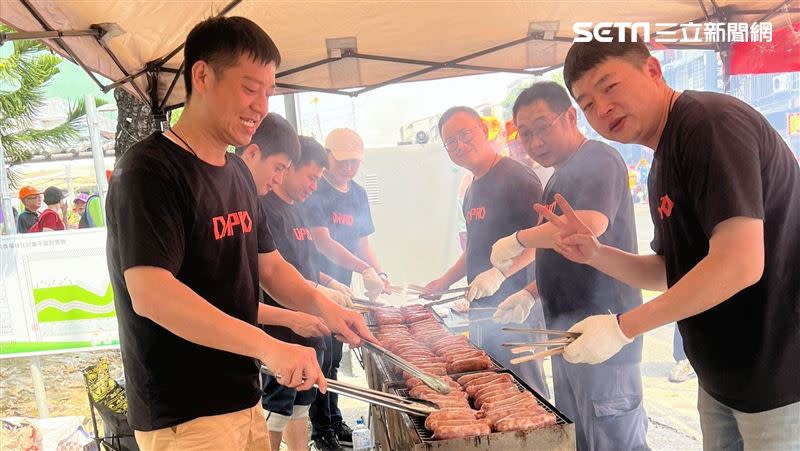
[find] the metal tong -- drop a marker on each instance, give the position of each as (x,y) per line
(443,300)
(428,379)
(556,345)
(375,397)
(366,304)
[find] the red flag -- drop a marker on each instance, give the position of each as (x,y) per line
(782,54)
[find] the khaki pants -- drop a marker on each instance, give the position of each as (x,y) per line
(244,430)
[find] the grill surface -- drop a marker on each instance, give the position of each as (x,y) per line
(395,431)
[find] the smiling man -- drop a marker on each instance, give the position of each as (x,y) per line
(499,201)
(188,246)
(594,176)
(724,194)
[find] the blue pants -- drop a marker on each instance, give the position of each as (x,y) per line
(487,335)
(604,401)
(677,345)
(324,412)
(727,429)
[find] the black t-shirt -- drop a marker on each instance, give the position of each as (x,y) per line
(718,158)
(167,208)
(292,236)
(347,218)
(595,178)
(25,220)
(495,206)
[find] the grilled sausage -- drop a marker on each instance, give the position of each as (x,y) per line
(490,404)
(462,366)
(450,414)
(518,423)
(474,389)
(469,377)
(434,425)
(491,377)
(451,432)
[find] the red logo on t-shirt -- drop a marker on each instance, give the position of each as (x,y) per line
(551,208)
(665,209)
(477,213)
(341,218)
(224,225)
(302,234)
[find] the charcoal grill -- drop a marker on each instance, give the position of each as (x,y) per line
(396,431)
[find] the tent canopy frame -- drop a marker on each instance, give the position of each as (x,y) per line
(153,69)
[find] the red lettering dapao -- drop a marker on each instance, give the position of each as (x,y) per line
(477,213)
(224,226)
(342,219)
(302,234)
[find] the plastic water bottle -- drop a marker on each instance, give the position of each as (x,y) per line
(362,437)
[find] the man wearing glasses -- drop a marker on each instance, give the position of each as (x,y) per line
(32,200)
(498,202)
(604,400)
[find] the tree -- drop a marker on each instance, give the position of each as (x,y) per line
(134,121)
(23,76)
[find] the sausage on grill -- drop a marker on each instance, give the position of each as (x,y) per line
(451,432)
(518,423)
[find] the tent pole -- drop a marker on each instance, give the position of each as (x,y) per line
(9,221)
(291,109)
(97,150)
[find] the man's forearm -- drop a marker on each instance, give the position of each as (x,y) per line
(711,282)
(275,316)
(457,271)
(542,236)
(735,260)
(521,261)
(285,284)
(639,271)
(189,316)
(338,254)
(367,254)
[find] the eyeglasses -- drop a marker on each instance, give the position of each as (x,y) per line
(534,132)
(465,136)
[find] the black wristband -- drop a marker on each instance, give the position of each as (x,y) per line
(383,274)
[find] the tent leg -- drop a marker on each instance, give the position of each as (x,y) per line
(97,150)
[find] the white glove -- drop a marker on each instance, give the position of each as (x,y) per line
(600,339)
(461,306)
(336,296)
(515,309)
(486,284)
(334,284)
(504,251)
(372,283)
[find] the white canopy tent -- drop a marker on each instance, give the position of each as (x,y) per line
(349,47)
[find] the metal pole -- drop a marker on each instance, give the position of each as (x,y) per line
(9,221)
(97,150)
(38,387)
(291,110)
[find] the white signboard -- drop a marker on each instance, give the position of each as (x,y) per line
(56,293)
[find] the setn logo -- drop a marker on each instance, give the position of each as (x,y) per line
(224,225)
(604,31)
